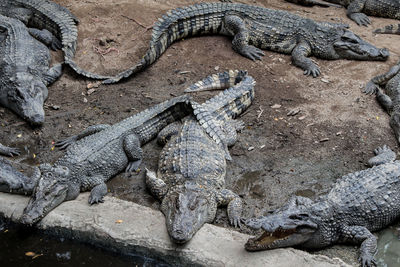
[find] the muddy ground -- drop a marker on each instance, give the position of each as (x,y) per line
(276,155)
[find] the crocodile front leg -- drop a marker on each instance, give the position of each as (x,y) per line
(53,74)
(300,58)
(46,38)
(156,186)
(234,202)
(133,151)
(9,151)
(354,13)
(97,193)
(63,144)
(382,155)
(240,43)
(360,234)
(381,80)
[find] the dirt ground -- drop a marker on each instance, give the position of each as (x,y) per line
(276,155)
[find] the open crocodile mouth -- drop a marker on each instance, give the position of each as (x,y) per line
(267,239)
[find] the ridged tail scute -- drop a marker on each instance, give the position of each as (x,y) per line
(198,19)
(389,29)
(226,105)
(220,80)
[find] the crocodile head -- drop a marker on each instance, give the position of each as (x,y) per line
(186,211)
(50,191)
(350,46)
(288,226)
(26,97)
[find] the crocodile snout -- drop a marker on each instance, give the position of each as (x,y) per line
(384,53)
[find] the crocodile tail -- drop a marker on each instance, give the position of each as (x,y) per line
(175,25)
(220,80)
(83,72)
(389,29)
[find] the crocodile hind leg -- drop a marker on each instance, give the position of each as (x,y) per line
(240,43)
(133,151)
(357,235)
(354,13)
(63,144)
(383,155)
(9,151)
(300,58)
(230,128)
(46,37)
(156,186)
(227,197)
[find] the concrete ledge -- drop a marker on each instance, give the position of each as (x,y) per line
(125,226)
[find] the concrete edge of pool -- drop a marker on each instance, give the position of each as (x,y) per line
(124,226)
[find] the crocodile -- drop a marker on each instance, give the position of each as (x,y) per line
(190,181)
(96,155)
(357,10)
(389,96)
(60,25)
(253,28)
(24,76)
(359,203)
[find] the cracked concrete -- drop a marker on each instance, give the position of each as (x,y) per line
(124,226)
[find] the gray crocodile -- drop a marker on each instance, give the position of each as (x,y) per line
(389,29)
(190,181)
(56,19)
(389,96)
(96,155)
(24,76)
(255,27)
(357,10)
(358,204)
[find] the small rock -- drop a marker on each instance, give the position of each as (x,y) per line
(184,72)
(216,68)
(302,118)
(276,106)
(85,100)
(338,133)
(55,107)
(293,112)
(262,146)
(91,91)
(324,140)
(325,80)
(250,148)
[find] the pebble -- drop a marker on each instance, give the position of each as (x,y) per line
(250,148)
(276,106)
(293,112)
(324,140)
(324,80)
(302,118)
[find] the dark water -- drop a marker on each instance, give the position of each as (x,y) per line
(388,247)
(44,250)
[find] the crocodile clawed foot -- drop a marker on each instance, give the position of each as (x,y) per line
(312,71)
(367,261)
(55,44)
(133,166)
(95,200)
(11,151)
(236,222)
(361,19)
(63,144)
(252,52)
(370,88)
